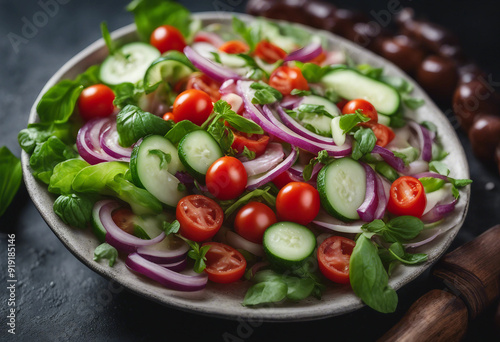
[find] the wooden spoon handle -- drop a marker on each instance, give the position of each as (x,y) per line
(436,316)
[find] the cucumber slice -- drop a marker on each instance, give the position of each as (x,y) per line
(148,172)
(288,244)
(171,68)
(330,107)
(197,151)
(351,84)
(342,188)
(128,64)
(97,227)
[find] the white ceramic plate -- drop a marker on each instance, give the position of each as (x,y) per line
(225,300)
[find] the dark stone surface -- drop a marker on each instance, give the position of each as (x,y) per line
(58,298)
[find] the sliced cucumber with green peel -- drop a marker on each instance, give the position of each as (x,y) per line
(197,151)
(351,84)
(153,165)
(128,64)
(288,244)
(342,188)
(170,68)
(97,226)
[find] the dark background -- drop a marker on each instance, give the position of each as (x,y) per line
(58,298)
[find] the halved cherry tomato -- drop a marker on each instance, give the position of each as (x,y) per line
(226,178)
(166,38)
(254,142)
(200,81)
(341,104)
(193,105)
(169,116)
(333,258)
(200,217)
(253,219)
(224,263)
(407,197)
(96,101)
(319,58)
(366,108)
(234,47)
(283,179)
(383,133)
(298,202)
(286,78)
(124,219)
(269,52)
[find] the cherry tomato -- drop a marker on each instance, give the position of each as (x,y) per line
(224,263)
(407,197)
(193,105)
(234,47)
(366,108)
(283,179)
(253,219)
(254,142)
(333,258)
(199,216)
(226,178)
(298,202)
(124,219)
(286,78)
(269,52)
(166,38)
(169,116)
(341,104)
(383,133)
(200,81)
(96,101)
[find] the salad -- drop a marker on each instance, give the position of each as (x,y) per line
(247,153)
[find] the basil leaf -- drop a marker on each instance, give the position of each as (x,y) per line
(265,94)
(106,251)
(126,93)
(348,121)
(298,288)
(265,292)
(132,123)
(171,228)
(47,155)
(10,177)
(264,193)
(150,14)
(58,103)
(439,167)
(364,142)
(400,84)
(299,92)
(165,158)
(222,134)
(398,253)
(459,183)
(64,174)
(368,70)
(238,122)
(248,153)
(74,209)
(94,178)
(89,77)
(405,227)
(368,278)
(431,184)
(107,38)
(311,72)
(413,103)
(179,130)
(245,32)
(37,133)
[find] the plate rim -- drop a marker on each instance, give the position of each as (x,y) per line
(275,313)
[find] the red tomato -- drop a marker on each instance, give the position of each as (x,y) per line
(298,202)
(124,219)
(199,216)
(333,258)
(269,52)
(224,263)
(166,38)
(234,47)
(96,101)
(253,219)
(226,178)
(366,108)
(407,197)
(168,116)
(383,133)
(254,142)
(341,104)
(193,105)
(283,179)
(286,78)
(200,81)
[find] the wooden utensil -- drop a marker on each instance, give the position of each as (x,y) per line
(471,274)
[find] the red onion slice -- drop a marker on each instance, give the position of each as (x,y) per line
(272,156)
(306,53)
(382,198)
(209,37)
(254,183)
(87,142)
(109,142)
(213,70)
(430,174)
(178,266)
(367,209)
(290,101)
(416,167)
(228,87)
(237,241)
(397,163)
(439,212)
(163,253)
(424,241)
(164,276)
(118,238)
(331,223)
(425,140)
